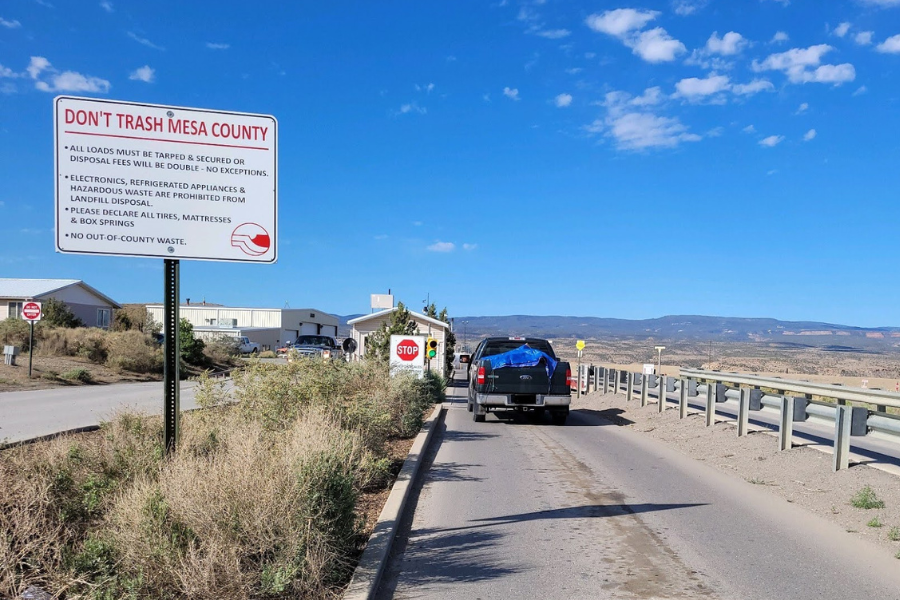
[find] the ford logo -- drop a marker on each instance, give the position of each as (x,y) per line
(525,377)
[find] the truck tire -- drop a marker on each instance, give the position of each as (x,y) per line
(476,417)
(559,417)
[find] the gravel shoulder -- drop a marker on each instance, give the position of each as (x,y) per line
(802,476)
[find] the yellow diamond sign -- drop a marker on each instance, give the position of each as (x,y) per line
(580,344)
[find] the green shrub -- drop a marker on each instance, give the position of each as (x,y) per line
(82,375)
(223,350)
(894,534)
(866,498)
(191,347)
(15,332)
(874,522)
(133,351)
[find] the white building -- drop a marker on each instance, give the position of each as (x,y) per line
(270,327)
(363,327)
(93,308)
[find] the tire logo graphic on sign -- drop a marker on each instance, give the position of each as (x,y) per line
(407,350)
(251,238)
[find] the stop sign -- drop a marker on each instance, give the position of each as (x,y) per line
(31,311)
(407,350)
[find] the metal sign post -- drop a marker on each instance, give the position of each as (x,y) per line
(30,349)
(172,351)
(580,346)
(31,312)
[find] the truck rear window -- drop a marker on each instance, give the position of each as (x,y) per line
(501,346)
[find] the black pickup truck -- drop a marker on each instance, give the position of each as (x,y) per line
(539,388)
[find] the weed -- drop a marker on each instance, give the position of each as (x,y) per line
(894,534)
(875,522)
(82,375)
(866,498)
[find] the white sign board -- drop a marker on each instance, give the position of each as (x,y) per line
(648,369)
(408,354)
(380,301)
(165,182)
(32,311)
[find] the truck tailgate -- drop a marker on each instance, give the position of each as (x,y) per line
(516,380)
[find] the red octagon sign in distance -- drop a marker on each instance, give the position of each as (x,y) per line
(31,311)
(407,350)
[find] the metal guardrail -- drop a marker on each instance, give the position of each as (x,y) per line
(849,421)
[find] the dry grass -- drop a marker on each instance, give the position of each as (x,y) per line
(259,500)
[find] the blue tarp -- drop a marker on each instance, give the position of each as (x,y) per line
(524,356)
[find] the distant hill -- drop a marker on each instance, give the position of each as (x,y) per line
(676,327)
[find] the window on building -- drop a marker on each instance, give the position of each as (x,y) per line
(103,315)
(15,310)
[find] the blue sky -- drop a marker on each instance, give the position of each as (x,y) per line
(511,157)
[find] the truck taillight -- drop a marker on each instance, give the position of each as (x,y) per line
(480,378)
(326,354)
(569,377)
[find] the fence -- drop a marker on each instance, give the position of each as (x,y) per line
(792,399)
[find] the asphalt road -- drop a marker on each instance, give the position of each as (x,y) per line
(518,509)
(27,415)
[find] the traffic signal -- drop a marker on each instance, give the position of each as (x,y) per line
(431,348)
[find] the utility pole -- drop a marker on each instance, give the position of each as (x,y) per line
(659,350)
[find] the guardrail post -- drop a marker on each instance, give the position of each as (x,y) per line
(721,388)
(661,405)
(597,377)
(653,381)
(682,399)
(842,423)
(859,420)
(670,384)
(615,381)
(756,395)
(786,424)
(605,380)
(692,388)
(800,404)
(644,386)
(629,386)
(743,412)
(710,404)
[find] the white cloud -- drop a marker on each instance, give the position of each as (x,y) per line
(810,135)
(217,46)
(656,45)
(860,91)
(842,29)
(640,131)
(728,45)
(771,141)
(780,36)
(621,21)
(144,74)
(469,247)
(107,6)
(442,247)
(754,87)
(412,107)
(144,41)
(749,129)
(890,45)
(798,63)
(70,81)
(37,65)
(694,88)
(9,24)
(864,38)
(427,88)
(687,7)
(563,100)
(7,72)
(650,97)
(802,108)
(554,34)
(574,71)
(511,93)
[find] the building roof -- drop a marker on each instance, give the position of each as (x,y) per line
(27,289)
(388,311)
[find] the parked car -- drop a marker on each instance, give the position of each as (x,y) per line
(245,346)
(323,346)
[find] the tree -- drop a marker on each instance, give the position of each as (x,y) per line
(135,316)
(378,345)
(449,345)
(55,313)
(191,347)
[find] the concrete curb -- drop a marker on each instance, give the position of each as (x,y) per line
(371,565)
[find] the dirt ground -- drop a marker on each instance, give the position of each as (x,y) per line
(47,371)
(802,475)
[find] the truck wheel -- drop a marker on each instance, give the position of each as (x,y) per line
(255,351)
(476,417)
(559,417)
